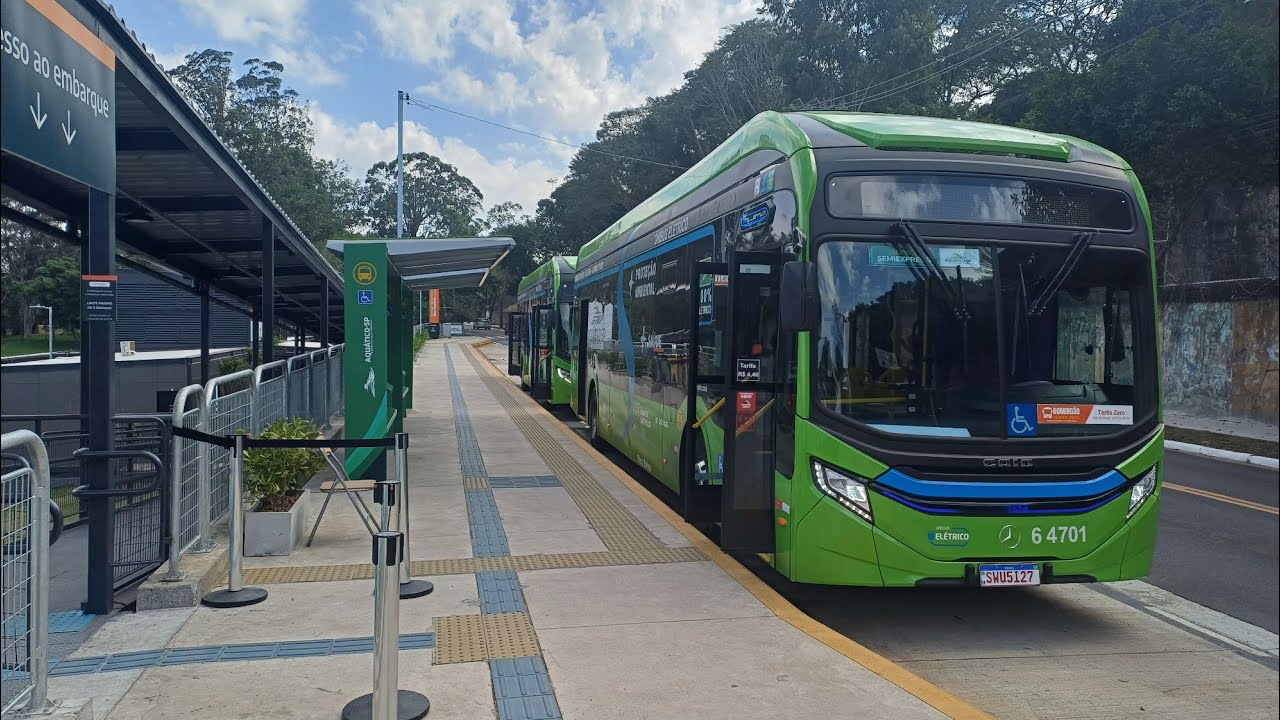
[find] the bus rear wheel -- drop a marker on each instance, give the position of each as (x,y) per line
(593,420)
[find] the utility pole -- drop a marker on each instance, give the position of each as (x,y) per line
(50,309)
(399,164)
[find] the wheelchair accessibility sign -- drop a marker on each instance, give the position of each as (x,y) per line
(366,298)
(1022,420)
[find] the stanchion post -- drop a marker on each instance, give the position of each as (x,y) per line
(387,701)
(386,494)
(236,595)
(409,588)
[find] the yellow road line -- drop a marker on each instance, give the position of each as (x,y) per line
(931,694)
(1223,498)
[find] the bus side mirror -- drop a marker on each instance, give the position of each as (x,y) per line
(798,307)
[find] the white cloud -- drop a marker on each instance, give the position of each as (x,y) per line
(509,177)
(308,66)
(248,20)
(561,71)
(172,58)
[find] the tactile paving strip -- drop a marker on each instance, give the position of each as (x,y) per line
(500,592)
(475,483)
(468,447)
(525,481)
(229,653)
(510,635)
(617,527)
(467,566)
(473,638)
(459,639)
(488,539)
(522,689)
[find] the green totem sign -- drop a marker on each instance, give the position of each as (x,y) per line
(378,352)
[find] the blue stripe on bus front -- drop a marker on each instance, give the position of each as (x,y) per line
(1012,491)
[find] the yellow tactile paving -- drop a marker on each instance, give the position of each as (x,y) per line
(475,483)
(459,639)
(466,566)
(475,638)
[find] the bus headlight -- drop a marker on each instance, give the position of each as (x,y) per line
(848,489)
(1142,490)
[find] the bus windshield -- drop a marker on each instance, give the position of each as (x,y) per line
(994,346)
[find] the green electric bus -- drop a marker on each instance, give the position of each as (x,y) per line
(538,332)
(888,350)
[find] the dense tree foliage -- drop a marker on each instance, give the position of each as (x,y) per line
(1185,90)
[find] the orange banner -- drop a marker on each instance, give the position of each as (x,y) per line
(433,305)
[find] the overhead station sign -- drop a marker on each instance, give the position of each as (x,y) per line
(57,91)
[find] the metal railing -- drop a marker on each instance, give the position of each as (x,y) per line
(307,386)
(24,568)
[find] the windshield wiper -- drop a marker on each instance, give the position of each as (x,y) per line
(954,293)
(1079,244)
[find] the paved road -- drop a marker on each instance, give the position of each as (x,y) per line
(1217,553)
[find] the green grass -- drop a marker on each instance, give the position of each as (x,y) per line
(63,341)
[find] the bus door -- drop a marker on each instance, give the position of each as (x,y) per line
(702,449)
(751,358)
(541,351)
(579,371)
(515,342)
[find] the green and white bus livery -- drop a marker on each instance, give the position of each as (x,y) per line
(538,331)
(888,350)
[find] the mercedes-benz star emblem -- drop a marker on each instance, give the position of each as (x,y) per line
(1009,536)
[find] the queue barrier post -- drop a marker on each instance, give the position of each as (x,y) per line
(236,595)
(387,701)
(409,588)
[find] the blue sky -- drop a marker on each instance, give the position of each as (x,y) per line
(553,68)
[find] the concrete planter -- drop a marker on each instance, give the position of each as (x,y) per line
(276,533)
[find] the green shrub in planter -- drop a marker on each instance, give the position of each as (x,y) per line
(275,476)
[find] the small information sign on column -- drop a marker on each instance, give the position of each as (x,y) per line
(98,298)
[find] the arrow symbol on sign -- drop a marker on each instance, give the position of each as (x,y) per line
(67,132)
(36,115)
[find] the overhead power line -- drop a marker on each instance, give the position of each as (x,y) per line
(432,106)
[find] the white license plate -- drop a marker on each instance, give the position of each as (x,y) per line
(1008,575)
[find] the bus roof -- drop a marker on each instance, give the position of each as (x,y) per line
(565,262)
(778,131)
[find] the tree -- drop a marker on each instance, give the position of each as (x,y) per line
(23,252)
(438,200)
(57,283)
(267,125)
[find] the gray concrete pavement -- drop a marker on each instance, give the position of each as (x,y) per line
(569,600)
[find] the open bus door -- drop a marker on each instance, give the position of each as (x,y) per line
(541,351)
(731,429)
(515,342)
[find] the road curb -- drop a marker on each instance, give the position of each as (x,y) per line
(1218,454)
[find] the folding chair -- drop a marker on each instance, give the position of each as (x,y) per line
(351,488)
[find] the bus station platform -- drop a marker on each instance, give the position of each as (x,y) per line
(560,592)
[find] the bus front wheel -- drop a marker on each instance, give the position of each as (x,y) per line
(593,420)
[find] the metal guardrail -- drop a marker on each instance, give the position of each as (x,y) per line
(24,566)
(248,401)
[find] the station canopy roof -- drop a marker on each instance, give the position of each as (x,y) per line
(184,200)
(440,263)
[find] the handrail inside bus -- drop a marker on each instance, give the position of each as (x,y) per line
(751,421)
(710,412)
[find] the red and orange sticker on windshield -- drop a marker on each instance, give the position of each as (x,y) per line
(1073,414)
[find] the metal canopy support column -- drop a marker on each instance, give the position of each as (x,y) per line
(97,383)
(268,300)
(324,312)
(202,286)
(255,338)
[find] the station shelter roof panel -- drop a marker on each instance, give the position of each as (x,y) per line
(439,263)
(184,200)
